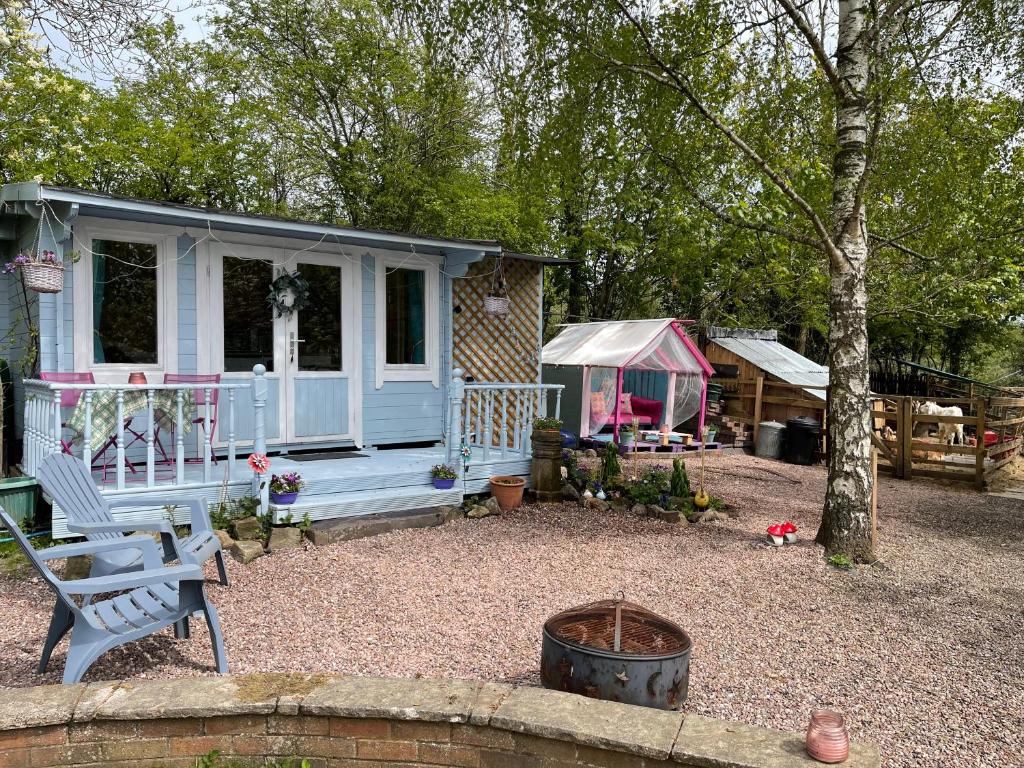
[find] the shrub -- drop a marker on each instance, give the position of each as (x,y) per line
(842,562)
(611,470)
(679,485)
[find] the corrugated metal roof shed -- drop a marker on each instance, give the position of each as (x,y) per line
(760,348)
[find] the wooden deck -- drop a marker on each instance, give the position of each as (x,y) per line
(344,484)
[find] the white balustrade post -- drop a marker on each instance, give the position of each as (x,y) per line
(30,432)
(207,438)
(260,489)
(517,425)
(558,403)
(504,423)
(524,436)
(150,442)
(231,435)
(55,446)
(120,439)
(456,395)
(87,432)
(488,415)
(179,438)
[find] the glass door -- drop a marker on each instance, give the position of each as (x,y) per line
(318,380)
(244,333)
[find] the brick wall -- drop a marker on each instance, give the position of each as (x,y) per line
(368,722)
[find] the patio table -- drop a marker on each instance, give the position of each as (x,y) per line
(104,413)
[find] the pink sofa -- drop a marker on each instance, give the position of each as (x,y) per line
(648,413)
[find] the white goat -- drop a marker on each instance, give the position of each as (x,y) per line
(950,433)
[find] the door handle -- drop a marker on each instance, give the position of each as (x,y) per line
(293,343)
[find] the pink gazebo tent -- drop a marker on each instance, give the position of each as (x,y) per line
(605,350)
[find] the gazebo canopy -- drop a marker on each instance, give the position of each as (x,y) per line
(651,345)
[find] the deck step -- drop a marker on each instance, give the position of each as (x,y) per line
(329,506)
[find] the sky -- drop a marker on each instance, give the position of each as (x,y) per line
(188,15)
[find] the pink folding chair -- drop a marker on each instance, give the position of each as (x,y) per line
(68,397)
(199,397)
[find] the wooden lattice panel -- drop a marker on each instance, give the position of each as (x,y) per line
(498,349)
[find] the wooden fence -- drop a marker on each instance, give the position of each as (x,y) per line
(907,450)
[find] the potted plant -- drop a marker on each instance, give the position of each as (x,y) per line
(789,532)
(284,489)
(508,491)
(444,476)
(775,533)
(546,460)
(626,435)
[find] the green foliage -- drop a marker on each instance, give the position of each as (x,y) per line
(680,483)
(214,760)
(611,469)
(306,523)
(843,562)
(651,487)
(222,515)
(547,423)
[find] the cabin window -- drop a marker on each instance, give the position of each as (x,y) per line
(248,318)
(125,304)
(406,317)
(407,327)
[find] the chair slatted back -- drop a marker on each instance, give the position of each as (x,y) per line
(68,397)
(198,394)
(32,556)
(69,483)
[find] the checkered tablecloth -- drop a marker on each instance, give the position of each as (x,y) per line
(104,413)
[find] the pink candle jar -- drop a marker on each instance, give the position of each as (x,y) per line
(827,739)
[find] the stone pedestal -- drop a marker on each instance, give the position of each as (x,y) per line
(546,474)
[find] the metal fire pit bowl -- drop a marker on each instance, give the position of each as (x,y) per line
(617,651)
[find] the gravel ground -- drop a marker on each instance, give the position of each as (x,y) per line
(922,652)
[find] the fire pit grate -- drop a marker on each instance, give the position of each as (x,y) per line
(618,651)
(641,632)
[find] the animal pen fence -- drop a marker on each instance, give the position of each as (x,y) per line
(907,450)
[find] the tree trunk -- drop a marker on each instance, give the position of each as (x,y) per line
(846,521)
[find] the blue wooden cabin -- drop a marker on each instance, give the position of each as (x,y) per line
(353,381)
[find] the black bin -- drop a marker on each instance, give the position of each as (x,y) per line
(802,436)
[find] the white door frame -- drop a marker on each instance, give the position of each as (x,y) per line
(210,316)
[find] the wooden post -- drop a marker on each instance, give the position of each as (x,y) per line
(980,450)
(758,394)
(906,437)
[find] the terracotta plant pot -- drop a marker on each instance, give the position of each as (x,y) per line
(827,739)
(508,491)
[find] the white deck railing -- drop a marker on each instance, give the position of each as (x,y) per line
(495,419)
(106,419)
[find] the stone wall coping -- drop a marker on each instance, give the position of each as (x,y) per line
(672,736)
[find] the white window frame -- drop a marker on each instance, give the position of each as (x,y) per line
(431,369)
(85,232)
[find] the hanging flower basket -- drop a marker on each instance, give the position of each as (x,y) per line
(42,272)
(42,277)
(496,305)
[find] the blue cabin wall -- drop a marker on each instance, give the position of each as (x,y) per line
(188,337)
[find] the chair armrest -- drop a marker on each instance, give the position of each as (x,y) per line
(120,526)
(122,581)
(199,514)
(144,543)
